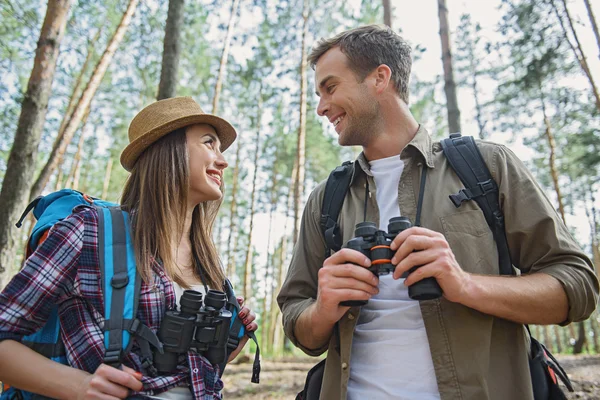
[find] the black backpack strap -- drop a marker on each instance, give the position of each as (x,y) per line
(333,199)
(117,272)
(234,334)
(466,160)
(119,281)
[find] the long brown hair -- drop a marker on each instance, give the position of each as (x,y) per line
(155,195)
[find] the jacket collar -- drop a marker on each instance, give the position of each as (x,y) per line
(421,143)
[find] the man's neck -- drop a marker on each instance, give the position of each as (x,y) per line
(399,127)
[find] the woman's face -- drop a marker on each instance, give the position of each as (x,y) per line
(206,164)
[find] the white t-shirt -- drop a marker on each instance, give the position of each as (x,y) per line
(181,392)
(390,352)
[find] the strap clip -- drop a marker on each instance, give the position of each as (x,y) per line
(119,280)
(112,357)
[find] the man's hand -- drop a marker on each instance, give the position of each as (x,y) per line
(418,246)
(344,276)
(110,383)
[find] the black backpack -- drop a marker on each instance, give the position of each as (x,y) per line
(466,161)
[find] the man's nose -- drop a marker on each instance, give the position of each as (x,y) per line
(323,107)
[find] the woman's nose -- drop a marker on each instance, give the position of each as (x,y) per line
(220,162)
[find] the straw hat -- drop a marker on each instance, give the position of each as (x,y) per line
(165,116)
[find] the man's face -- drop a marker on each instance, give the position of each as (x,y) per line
(347,103)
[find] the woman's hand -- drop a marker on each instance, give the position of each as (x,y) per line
(247,316)
(110,383)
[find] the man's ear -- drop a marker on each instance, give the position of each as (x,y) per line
(382,76)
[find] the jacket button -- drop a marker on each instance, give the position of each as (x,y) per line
(344,365)
(350,316)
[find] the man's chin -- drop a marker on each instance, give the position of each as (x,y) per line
(347,140)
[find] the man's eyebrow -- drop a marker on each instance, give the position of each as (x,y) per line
(323,83)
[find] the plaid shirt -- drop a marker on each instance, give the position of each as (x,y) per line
(64,271)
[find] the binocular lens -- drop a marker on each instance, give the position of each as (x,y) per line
(365,229)
(398,224)
(215,299)
(191,301)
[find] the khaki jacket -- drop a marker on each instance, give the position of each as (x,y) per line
(475,356)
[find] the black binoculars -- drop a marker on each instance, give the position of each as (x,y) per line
(375,244)
(204,328)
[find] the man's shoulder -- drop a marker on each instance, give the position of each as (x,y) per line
(315,199)
(488,149)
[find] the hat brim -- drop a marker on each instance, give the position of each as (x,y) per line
(225,132)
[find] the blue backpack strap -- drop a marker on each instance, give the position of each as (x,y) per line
(335,192)
(465,158)
(121,287)
(237,331)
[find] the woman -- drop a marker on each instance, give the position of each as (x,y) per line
(172,196)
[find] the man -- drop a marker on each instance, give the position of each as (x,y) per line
(469,344)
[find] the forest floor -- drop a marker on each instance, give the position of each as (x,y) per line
(284,378)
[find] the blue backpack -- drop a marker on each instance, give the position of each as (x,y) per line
(120,285)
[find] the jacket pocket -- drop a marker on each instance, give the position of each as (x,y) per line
(471,241)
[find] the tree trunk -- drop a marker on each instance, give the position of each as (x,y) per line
(232,213)
(449,84)
(224,55)
(107,178)
(478,109)
(595,333)
(580,342)
(84,102)
(270,272)
(271,286)
(387,13)
(301,144)
(72,182)
(248,263)
(77,86)
(577,49)
(171,50)
(277,334)
(588,6)
(21,162)
(557,341)
(553,169)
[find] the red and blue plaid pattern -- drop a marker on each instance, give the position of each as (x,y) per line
(64,270)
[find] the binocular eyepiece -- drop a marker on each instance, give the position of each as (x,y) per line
(375,244)
(202,325)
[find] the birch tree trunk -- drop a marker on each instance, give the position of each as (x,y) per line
(387,13)
(234,7)
(576,48)
(248,263)
(171,50)
(553,169)
(21,161)
(270,272)
(107,176)
(84,102)
(301,143)
(449,84)
(590,13)
(232,214)
(76,158)
(278,338)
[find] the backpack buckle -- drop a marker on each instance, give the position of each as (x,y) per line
(460,197)
(232,343)
(112,357)
(486,187)
(120,280)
